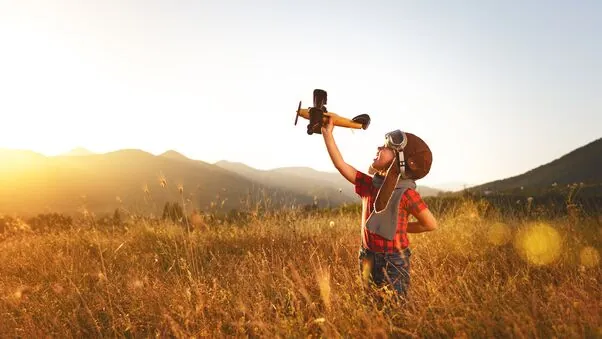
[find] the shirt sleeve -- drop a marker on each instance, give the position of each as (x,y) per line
(414,203)
(363,184)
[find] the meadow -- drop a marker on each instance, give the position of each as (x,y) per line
(482,273)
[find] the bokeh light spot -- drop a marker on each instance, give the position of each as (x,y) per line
(589,257)
(539,244)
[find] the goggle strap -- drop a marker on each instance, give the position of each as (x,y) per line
(402,165)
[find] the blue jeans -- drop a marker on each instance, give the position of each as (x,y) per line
(386,269)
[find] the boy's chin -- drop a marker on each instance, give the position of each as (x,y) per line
(372,170)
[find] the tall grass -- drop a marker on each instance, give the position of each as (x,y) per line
(295,274)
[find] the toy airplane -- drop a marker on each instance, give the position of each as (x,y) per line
(318,115)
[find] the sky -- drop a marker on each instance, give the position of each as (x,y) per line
(495,88)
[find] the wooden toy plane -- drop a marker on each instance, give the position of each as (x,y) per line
(318,115)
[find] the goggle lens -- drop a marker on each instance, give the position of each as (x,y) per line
(394,139)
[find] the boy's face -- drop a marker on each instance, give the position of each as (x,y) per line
(383,159)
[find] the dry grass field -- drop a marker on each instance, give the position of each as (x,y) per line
(295,274)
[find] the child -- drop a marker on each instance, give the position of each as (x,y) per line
(388,198)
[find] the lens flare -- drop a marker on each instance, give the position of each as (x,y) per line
(539,244)
(499,234)
(589,257)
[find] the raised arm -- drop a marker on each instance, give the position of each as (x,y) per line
(346,170)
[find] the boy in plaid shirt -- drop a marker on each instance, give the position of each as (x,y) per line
(388,199)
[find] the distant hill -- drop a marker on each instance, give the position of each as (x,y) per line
(77,152)
(171,154)
(32,183)
(335,179)
(426,191)
(307,181)
(452,186)
(15,159)
(583,165)
(80,180)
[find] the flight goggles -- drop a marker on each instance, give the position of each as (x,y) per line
(396,140)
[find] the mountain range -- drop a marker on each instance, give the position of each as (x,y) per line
(80,180)
(582,165)
(83,181)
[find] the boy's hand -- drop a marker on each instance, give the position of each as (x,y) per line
(327,128)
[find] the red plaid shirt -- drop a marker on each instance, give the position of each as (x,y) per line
(411,203)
